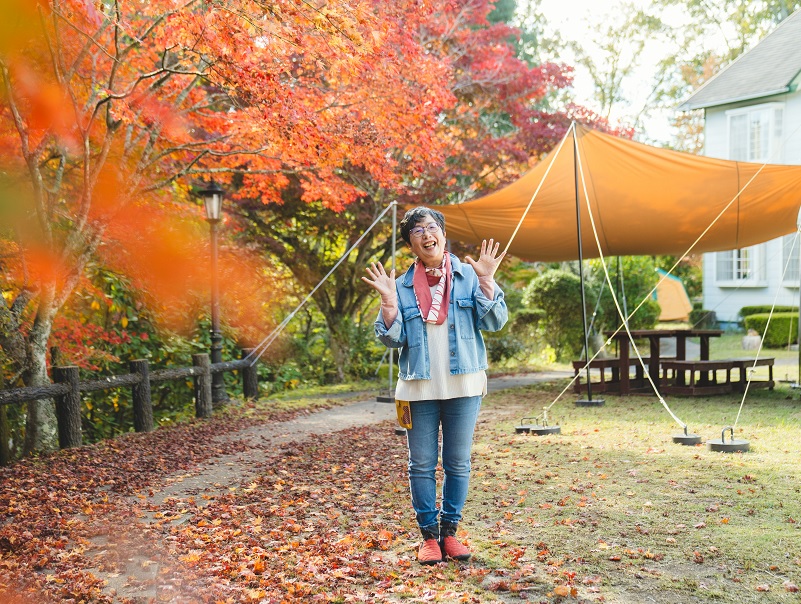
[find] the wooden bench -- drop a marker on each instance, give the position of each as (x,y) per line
(605,385)
(609,383)
(638,381)
(745,364)
(702,377)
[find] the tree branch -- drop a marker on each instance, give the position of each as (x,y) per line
(175,176)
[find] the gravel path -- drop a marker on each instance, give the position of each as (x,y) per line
(224,472)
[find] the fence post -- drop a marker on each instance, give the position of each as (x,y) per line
(5,452)
(68,408)
(142,404)
(250,377)
(202,385)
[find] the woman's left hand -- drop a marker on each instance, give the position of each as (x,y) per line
(488,261)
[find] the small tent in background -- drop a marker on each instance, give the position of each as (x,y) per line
(672,298)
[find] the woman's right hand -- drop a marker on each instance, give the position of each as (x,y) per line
(381,282)
(385,285)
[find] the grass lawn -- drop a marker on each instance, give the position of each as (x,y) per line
(611,510)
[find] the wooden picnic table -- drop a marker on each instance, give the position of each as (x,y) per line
(655,336)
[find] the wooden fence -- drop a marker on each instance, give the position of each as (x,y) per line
(66,389)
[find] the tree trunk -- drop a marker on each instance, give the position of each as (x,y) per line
(340,347)
(41,426)
(14,348)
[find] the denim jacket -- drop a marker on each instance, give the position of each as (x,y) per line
(469,312)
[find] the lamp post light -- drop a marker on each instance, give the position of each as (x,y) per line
(212,200)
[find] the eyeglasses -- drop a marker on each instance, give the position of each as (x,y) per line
(417,232)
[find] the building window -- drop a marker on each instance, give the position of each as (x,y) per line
(790,247)
(755,133)
(741,267)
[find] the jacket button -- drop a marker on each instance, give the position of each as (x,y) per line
(453,354)
(451,325)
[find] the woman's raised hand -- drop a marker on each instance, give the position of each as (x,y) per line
(381,282)
(489,260)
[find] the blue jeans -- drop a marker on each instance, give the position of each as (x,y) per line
(457,417)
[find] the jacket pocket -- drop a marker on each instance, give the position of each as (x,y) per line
(465,315)
(413,324)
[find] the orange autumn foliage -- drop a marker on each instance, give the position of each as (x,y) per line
(110,107)
(110,111)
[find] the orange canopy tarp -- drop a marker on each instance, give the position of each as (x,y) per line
(644,201)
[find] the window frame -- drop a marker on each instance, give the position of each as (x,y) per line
(758,276)
(793,277)
(773,137)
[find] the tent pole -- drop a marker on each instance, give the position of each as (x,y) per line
(587,354)
(622,285)
(798,341)
(797,383)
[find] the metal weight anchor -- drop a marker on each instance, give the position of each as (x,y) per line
(538,429)
(732,446)
(686,438)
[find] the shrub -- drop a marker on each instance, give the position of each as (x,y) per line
(783,328)
(518,339)
(556,295)
(647,316)
(700,318)
(747,311)
(504,345)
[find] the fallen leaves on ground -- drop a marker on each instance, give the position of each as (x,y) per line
(576,519)
(326,519)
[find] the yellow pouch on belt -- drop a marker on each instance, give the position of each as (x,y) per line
(404,410)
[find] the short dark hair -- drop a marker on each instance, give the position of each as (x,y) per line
(415,215)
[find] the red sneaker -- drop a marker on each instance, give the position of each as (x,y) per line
(451,548)
(429,552)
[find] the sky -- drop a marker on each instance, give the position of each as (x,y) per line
(573,19)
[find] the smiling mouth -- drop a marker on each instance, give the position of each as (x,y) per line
(430,246)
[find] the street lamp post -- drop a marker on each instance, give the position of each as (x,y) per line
(212,200)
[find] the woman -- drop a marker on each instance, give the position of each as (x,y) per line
(434,314)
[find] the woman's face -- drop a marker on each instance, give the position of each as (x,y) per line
(429,245)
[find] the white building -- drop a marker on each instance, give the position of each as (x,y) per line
(752,113)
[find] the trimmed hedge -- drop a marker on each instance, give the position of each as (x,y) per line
(783,328)
(747,311)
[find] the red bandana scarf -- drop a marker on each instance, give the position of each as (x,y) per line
(434,309)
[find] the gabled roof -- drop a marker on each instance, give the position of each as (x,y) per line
(767,69)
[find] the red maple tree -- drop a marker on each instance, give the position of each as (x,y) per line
(108,109)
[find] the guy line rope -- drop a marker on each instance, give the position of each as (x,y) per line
(665,276)
(262,347)
(767,324)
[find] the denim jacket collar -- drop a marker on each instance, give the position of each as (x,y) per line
(408,278)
